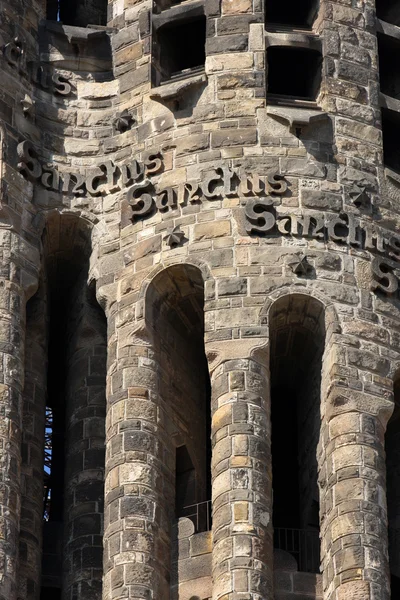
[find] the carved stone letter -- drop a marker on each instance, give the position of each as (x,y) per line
(258,214)
(384,279)
(29,166)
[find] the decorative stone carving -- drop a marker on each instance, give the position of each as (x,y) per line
(300,265)
(176,89)
(28,106)
(297,118)
(13,52)
(360,197)
(124,122)
(174,236)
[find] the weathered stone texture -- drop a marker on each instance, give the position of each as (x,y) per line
(233,241)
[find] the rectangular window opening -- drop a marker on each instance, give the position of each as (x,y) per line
(293,73)
(389,56)
(391,136)
(179,50)
(297,14)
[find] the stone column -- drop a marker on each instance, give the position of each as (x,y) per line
(352,476)
(241,480)
(139,494)
(33,424)
(12,336)
(85,433)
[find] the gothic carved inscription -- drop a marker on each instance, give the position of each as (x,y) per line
(218,183)
(104,179)
(39,74)
(261,217)
(343,228)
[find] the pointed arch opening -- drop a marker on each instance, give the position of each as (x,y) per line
(297,339)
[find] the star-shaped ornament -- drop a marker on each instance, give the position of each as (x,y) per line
(300,265)
(360,197)
(174,236)
(28,106)
(124,122)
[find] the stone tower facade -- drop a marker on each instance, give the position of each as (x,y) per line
(199,303)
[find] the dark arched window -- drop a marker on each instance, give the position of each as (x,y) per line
(297,335)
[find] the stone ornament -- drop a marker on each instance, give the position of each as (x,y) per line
(360,197)
(13,51)
(300,265)
(28,106)
(174,236)
(124,122)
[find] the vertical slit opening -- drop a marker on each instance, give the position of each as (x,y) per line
(297,343)
(391,136)
(75,417)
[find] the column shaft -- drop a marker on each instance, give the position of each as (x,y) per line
(241,482)
(34,404)
(138,494)
(12,324)
(353,497)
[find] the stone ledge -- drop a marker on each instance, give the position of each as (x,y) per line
(175,89)
(389,102)
(296,39)
(393,175)
(388,29)
(297,116)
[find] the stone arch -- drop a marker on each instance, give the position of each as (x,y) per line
(297,328)
(332,322)
(203,275)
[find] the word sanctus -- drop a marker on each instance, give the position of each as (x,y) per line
(216,184)
(104,179)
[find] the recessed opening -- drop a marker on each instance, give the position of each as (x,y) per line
(185,478)
(79,13)
(73,491)
(392,448)
(294,73)
(291,13)
(391,136)
(50,593)
(297,343)
(389,57)
(179,49)
(175,309)
(389,11)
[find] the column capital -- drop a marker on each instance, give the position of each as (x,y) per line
(253,348)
